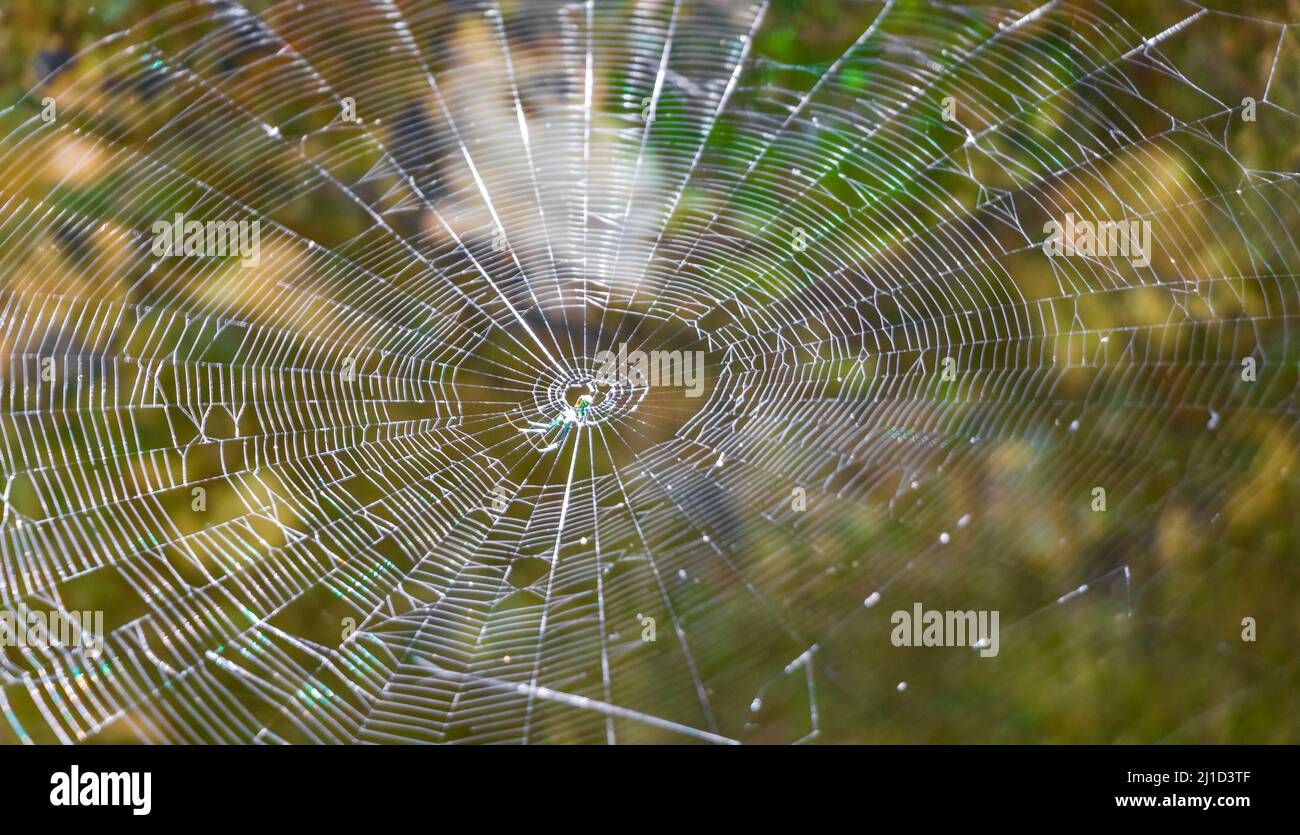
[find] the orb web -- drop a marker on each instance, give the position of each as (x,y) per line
(299,487)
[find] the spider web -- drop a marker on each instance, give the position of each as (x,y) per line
(906,398)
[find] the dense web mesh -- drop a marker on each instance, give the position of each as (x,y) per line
(300,491)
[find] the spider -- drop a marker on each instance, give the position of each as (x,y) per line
(575,414)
